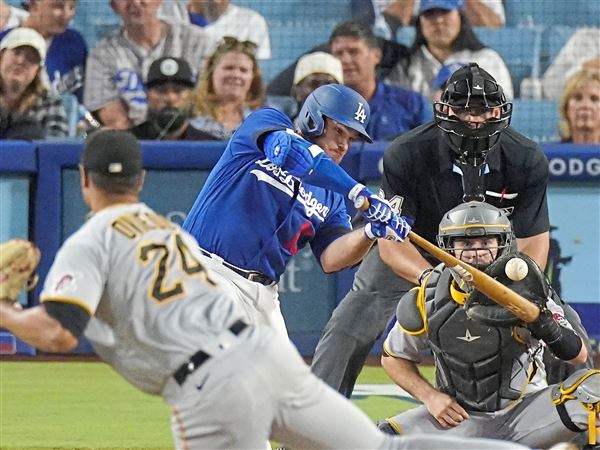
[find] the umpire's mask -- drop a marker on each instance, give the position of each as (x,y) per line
(472,112)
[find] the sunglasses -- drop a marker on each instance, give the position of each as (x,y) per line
(229,42)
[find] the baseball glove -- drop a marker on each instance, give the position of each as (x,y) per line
(533,287)
(18,261)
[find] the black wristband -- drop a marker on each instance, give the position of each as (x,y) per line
(424,274)
(567,346)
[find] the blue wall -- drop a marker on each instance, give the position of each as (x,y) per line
(176,171)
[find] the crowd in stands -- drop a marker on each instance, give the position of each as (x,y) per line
(193,69)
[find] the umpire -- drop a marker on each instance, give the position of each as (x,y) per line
(469,152)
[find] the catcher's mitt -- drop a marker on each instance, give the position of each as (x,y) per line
(533,287)
(18,260)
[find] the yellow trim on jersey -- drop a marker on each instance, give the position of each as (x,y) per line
(70,301)
(457,295)
(395,425)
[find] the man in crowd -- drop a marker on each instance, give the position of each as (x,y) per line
(114,84)
(394,110)
(169,87)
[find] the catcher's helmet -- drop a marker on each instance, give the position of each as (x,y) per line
(471,87)
(337,102)
(475,219)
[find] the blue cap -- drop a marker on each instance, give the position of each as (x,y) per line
(444,74)
(426,5)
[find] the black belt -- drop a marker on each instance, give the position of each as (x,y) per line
(200,357)
(257,277)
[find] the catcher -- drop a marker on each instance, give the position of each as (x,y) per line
(490,379)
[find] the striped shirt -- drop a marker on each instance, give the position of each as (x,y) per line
(49,112)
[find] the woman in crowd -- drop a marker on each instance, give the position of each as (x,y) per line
(22,89)
(580,108)
(443,36)
(231,87)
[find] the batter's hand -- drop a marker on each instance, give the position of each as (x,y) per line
(445,410)
(379,209)
(395,230)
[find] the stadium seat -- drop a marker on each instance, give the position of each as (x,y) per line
(292,11)
(576,13)
(290,40)
(536,119)
(553,39)
(520,47)
(94,20)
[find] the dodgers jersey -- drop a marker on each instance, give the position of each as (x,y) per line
(255,215)
(152,303)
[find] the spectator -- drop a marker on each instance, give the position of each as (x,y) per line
(314,70)
(582,50)
(22,89)
(444,35)
(387,16)
(67,51)
(221,18)
(114,87)
(11,16)
(580,108)
(231,87)
(169,87)
(394,109)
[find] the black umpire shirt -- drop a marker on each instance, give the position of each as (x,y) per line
(419,175)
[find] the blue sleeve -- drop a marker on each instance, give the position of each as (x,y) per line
(336,226)
(248,136)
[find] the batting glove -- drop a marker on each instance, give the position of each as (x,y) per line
(395,230)
(379,209)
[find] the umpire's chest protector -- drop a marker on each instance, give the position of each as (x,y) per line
(475,362)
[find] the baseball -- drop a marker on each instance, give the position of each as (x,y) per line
(516,269)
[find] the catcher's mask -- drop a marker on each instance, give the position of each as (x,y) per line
(472,91)
(475,219)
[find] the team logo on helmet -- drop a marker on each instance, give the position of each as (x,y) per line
(360,113)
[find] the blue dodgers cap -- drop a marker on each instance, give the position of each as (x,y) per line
(449,5)
(445,73)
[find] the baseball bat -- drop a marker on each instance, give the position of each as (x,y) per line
(503,295)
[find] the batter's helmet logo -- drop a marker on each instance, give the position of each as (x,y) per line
(360,113)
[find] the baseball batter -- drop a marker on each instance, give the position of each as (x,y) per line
(132,282)
(275,190)
(490,379)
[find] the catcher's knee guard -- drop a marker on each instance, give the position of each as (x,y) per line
(388,427)
(584,386)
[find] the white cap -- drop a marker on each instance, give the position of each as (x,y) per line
(318,62)
(19,37)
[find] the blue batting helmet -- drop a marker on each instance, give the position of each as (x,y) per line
(337,102)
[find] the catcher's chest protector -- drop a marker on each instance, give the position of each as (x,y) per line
(483,367)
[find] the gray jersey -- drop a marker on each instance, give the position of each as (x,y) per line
(138,275)
(117,67)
